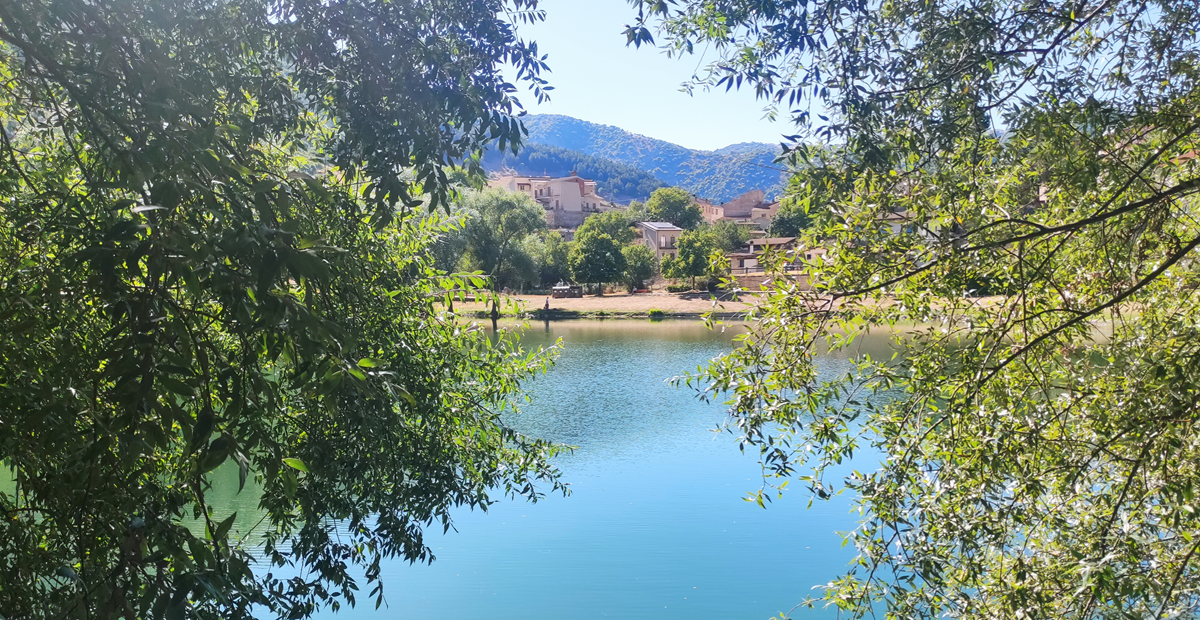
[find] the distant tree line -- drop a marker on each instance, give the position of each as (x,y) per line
(503,235)
(615,181)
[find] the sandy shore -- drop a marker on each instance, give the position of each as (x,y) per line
(680,305)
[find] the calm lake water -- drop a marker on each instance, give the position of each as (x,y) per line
(655,527)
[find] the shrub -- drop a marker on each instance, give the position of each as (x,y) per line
(678,288)
(655,313)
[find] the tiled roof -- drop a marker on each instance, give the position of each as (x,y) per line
(773,241)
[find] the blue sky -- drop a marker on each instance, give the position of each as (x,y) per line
(597,78)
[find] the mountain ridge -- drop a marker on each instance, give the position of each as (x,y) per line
(615,181)
(719,175)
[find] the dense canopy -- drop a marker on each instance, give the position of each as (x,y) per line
(1012,187)
(208,258)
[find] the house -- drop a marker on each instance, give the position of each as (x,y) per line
(747,261)
(774,243)
(662,237)
(898,222)
(567,200)
(763,215)
(739,209)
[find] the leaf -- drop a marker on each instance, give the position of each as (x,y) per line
(296,464)
(203,428)
(289,484)
(368,362)
(243,469)
(224,527)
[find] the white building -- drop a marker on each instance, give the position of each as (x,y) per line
(662,237)
(567,200)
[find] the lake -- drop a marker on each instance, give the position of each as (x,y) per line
(655,527)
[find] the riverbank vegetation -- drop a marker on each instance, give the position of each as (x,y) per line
(502,235)
(211,254)
(1046,153)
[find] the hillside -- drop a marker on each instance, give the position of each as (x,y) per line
(614,181)
(719,175)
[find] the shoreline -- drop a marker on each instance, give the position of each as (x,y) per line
(570,315)
(656,305)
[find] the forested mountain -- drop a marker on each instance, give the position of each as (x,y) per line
(717,175)
(614,181)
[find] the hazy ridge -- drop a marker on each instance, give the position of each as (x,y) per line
(614,180)
(716,175)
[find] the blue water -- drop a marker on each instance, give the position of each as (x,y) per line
(655,527)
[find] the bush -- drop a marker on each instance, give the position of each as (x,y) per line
(678,288)
(655,313)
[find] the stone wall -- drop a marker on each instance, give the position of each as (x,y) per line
(753,282)
(557,218)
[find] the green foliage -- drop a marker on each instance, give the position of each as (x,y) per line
(641,262)
(550,253)
(678,288)
(1039,450)
(615,224)
(719,175)
(692,259)
(208,257)
(792,219)
(596,258)
(729,236)
(496,224)
(674,205)
(655,313)
(615,181)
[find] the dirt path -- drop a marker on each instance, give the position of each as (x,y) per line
(624,303)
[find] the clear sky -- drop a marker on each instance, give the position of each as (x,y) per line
(597,78)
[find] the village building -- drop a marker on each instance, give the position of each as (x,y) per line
(662,237)
(774,243)
(740,209)
(567,200)
(749,260)
(764,214)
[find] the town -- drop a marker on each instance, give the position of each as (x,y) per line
(674,242)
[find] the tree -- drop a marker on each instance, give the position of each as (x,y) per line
(640,264)
(791,220)
(729,236)
(692,259)
(636,212)
(550,255)
(1040,447)
(596,258)
(496,223)
(615,224)
(674,205)
(209,256)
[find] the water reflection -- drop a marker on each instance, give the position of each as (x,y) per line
(655,527)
